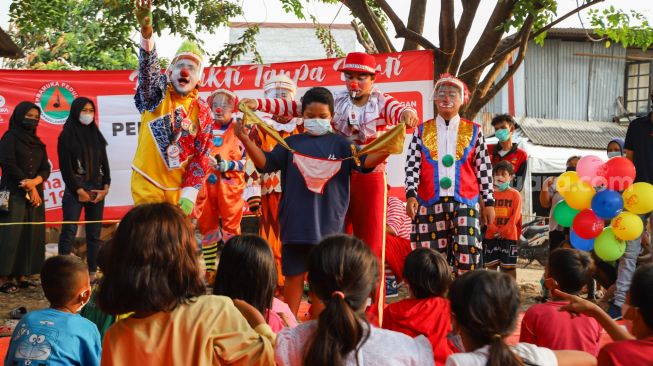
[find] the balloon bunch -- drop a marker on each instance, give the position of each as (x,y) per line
(599,191)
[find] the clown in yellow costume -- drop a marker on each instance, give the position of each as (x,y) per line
(220,202)
(174,138)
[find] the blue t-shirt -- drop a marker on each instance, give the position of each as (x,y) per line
(53,337)
(306,217)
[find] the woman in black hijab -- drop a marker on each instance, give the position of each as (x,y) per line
(25,167)
(85,170)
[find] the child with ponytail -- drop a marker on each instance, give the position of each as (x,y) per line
(343,273)
(484,306)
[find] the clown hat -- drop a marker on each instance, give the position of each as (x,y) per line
(226,92)
(281,81)
(359,62)
(190,51)
(448,79)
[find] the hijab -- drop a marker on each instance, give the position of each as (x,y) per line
(619,142)
(18,130)
(86,141)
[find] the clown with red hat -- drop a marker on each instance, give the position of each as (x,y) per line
(174,138)
(449,179)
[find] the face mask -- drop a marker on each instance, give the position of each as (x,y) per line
(30,123)
(317,126)
(503,134)
(86,118)
(614,154)
(571,168)
(502,186)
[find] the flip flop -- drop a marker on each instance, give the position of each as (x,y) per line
(8,288)
(18,312)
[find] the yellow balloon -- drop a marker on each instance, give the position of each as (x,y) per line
(579,196)
(638,198)
(565,181)
(627,226)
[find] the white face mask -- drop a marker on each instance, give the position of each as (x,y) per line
(317,126)
(613,154)
(86,118)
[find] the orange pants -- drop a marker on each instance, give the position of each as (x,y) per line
(269,227)
(217,202)
(366,217)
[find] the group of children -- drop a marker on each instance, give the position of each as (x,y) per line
(151,274)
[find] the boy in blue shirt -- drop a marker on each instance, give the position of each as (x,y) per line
(315,184)
(58,335)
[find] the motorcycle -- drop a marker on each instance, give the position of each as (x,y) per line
(534,242)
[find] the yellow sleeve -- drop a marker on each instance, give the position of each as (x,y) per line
(236,343)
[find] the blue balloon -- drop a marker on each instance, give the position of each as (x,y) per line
(607,204)
(580,243)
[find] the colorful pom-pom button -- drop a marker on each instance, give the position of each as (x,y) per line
(212,178)
(445,182)
(217,141)
(447,160)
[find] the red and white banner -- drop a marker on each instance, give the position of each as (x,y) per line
(408,76)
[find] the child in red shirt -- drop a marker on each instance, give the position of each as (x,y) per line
(426,312)
(545,325)
(502,236)
(635,346)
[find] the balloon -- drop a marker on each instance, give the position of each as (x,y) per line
(580,243)
(608,204)
(563,214)
(587,167)
(580,195)
(587,225)
(618,173)
(608,247)
(627,226)
(638,198)
(565,181)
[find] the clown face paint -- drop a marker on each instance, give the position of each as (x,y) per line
(280,93)
(184,76)
(222,106)
(358,84)
(448,101)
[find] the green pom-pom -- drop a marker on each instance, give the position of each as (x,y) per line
(447,160)
(445,182)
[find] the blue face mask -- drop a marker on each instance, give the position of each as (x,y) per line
(317,126)
(502,186)
(502,134)
(614,154)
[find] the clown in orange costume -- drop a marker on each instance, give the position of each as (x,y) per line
(220,201)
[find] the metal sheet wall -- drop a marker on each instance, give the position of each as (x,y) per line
(541,67)
(573,80)
(606,81)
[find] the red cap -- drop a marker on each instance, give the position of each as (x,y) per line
(359,62)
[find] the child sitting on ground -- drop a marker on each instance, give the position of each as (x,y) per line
(545,325)
(247,271)
(484,307)
(58,335)
(427,310)
(343,273)
(502,236)
(153,270)
(632,347)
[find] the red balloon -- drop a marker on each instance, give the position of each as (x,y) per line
(587,225)
(617,173)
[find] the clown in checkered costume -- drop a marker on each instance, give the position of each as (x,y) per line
(448,172)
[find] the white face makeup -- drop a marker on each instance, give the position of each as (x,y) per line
(222,106)
(184,76)
(280,93)
(447,99)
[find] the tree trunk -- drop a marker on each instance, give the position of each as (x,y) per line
(415,22)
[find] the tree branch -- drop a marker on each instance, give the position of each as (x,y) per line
(447,28)
(369,46)
(361,10)
(462,31)
(402,31)
(415,23)
(515,44)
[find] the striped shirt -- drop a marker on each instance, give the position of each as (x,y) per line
(397,218)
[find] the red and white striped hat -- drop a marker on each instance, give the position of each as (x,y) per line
(359,62)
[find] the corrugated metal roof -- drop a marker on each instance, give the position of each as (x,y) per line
(569,133)
(7,47)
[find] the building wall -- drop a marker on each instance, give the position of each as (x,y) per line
(293,44)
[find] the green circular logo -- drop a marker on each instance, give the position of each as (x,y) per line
(55,99)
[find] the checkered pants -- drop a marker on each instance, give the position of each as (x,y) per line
(453,229)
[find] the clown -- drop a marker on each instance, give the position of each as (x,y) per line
(447,169)
(220,202)
(282,87)
(175,133)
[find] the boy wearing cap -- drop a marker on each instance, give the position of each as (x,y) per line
(220,201)
(171,158)
(448,169)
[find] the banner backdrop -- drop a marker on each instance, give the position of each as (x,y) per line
(408,76)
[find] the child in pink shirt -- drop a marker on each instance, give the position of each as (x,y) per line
(247,271)
(545,325)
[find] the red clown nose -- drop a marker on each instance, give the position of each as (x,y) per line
(353,85)
(184,73)
(218,110)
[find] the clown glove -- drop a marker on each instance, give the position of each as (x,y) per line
(186,205)
(213,163)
